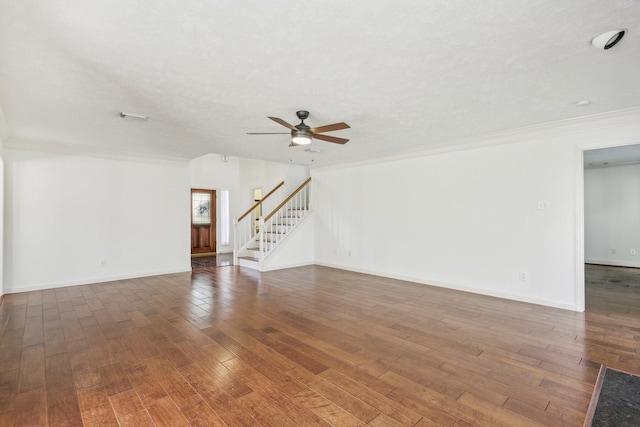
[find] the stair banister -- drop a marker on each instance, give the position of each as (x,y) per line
(285,201)
(259,202)
(269,231)
(244,232)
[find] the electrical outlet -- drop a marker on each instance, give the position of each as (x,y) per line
(103,262)
(613,251)
(523,276)
(632,251)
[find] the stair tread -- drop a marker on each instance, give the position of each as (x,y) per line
(272,233)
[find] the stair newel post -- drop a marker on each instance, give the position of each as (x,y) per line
(235,241)
(261,239)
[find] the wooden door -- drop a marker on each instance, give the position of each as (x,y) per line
(203,221)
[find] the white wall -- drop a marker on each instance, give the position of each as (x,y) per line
(4,131)
(1,219)
(240,177)
(65,213)
(297,250)
(465,219)
(612,215)
(469,219)
(259,173)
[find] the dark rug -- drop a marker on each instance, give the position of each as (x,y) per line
(615,401)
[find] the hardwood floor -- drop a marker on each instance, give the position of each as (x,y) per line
(205,262)
(307,346)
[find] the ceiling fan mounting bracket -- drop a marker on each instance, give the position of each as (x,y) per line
(302,114)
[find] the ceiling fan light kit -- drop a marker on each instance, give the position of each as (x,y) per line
(301,137)
(302,134)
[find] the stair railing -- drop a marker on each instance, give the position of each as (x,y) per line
(283,218)
(247,225)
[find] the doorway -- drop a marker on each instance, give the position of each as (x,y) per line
(608,217)
(203,221)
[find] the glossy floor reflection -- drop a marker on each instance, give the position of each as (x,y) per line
(613,290)
(218,260)
(306,346)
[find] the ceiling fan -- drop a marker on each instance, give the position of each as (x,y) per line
(302,134)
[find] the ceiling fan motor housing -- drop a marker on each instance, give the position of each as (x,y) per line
(302,129)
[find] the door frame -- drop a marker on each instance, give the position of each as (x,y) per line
(213,223)
(579,210)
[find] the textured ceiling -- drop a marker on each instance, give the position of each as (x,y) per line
(404,75)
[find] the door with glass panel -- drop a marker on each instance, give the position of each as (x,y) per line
(203,221)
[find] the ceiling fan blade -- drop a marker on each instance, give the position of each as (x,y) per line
(293,144)
(283,123)
(330,138)
(268,133)
(330,128)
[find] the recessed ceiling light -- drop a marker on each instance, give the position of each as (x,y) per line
(312,150)
(608,40)
(583,103)
(133,116)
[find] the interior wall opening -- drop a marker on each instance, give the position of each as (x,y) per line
(611,212)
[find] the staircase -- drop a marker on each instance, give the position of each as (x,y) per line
(253,243)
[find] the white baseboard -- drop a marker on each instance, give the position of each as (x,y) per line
(454,286)
(282,267)
(42,286)
(613,263)
(420,280)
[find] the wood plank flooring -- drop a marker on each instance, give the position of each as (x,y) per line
(307,346)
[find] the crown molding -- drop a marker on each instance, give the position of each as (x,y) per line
(17,143)
(600,121)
